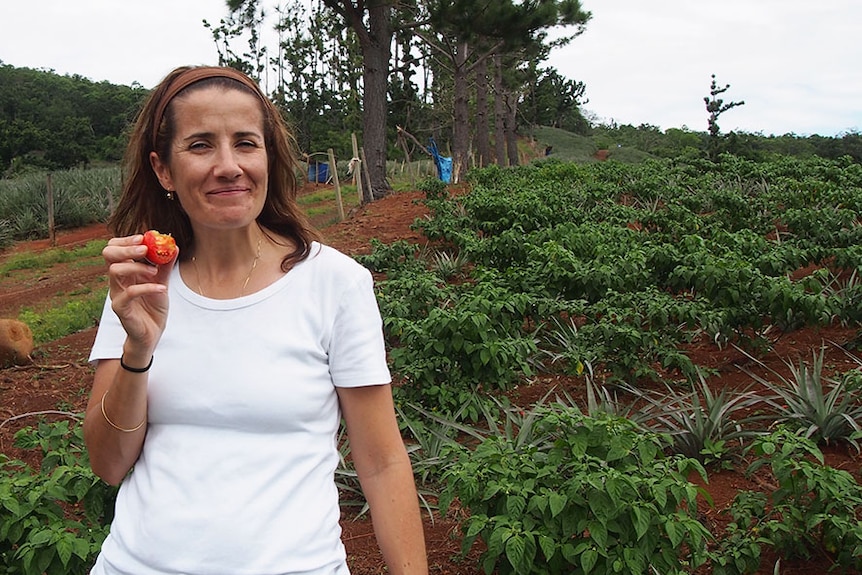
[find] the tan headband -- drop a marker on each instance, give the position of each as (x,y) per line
(192,75)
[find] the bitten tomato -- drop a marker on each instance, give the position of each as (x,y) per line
(161,248)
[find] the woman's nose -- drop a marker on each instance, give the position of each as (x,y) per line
(227,164)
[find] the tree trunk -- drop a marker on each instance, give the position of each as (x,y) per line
(483,142)
(499,113)
(375,41)
(511,128)
(461,129)
(376,50)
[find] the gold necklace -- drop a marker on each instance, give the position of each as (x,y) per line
(247,278)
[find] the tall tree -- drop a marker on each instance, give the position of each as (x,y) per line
(315,66)
(482,139)
(373,25)
(468,32)
(553,100)
(716,107)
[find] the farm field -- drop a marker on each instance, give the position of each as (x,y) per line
(771,339)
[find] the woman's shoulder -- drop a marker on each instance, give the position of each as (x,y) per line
(328,257)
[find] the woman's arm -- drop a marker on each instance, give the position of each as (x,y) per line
(115,420)
(112,423)
(386,476)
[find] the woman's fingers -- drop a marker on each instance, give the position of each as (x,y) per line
(138,289)
(124,249)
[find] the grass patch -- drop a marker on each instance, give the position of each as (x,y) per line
(71,317)
(323,195)
(48,258)
(320,206)
(566,145)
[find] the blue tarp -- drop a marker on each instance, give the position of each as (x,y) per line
(444,164)
(318,172)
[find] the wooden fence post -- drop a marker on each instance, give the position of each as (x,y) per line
(367,176)
(333,169)
(49,199)
(110,200)
(357,169)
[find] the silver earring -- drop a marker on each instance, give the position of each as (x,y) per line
(169,195)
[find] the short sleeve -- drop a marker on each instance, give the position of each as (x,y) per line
(357,352)
(109,337)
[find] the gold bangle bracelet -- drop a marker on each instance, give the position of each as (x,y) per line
(114,425)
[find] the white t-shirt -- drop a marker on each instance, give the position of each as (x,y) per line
(236,475)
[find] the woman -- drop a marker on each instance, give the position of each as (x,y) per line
(221,378)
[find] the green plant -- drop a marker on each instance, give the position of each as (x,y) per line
(562,344)
(701,423)
(80,198)
(739,550)
(74,316)
(48,258)
(716,106)
(821,408)
(396,256)
(434,188)
(815,508)
(55,518)
(583,495)
(448,265)
(473,338)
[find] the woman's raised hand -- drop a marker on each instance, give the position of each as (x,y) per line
(139,290)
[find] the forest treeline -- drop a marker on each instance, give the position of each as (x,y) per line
(49,121)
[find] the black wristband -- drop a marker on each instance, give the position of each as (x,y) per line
(136,369)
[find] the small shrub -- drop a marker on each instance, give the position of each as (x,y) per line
(821,408)
(701,422)
(434,188)
(591,495)
(814,509)
(54,519)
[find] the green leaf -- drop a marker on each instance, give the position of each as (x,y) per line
(81,548)
(619,448)
(674,531)
(589,559)
(515,549)
(12,505)
(475,526)
(659,494)
(642,522)
(557,503)
(515,505)
(64,548)
(40,537)
(496,541)
(598,533)
(548,546)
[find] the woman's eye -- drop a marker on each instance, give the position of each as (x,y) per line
(197,145)
(247,144)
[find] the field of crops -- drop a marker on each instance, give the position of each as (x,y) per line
(607,275)
(609,271)
(610,268)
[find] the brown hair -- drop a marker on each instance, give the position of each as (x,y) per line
(144,203)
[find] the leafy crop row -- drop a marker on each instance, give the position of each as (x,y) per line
(609,271)
(633,261)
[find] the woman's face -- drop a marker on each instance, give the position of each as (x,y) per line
(218,162)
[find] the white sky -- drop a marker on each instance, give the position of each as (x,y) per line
(795,63)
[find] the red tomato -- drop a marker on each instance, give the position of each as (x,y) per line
(161,248)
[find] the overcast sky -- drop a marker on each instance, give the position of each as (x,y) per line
(795,63)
